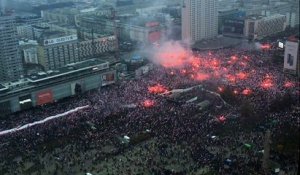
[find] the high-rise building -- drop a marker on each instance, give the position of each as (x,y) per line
(199,20)
(57,50)
(11,66)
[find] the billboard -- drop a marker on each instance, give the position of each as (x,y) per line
(52,41)
(291,55)
(44,97)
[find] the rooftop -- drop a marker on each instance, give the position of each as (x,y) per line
(52,34)
(93,64)
(2,87)
(257,17)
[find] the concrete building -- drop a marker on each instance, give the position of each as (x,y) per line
(29,51)
(68,16)
(63,15)
(48,87)
(94,47)
(57,49)
(38,30)
(142,28)
(289,9)
(291,55)
(258,27)
(199,20)
(231,22)
(24,23)
(11,66)
(145,32)
(32,32)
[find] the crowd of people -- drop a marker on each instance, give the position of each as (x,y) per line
(250,75)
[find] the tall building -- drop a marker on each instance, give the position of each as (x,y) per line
(199,20)
(11,66)
(57,50)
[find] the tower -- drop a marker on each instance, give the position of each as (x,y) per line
(199,20)
(11,65)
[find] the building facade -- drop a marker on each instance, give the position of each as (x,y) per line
(258,27)
(94,47)
(29,51)
(199,20)
(11,66)
(43,88)
(58,51)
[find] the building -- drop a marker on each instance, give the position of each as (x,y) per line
(94,47)
(199,20)
(233,27)
(293,18)
(24,22)
(29,51)
(258,27)
(147,33)
(56,49)
(38,30)
(48,87)
(290,9)
(291,55)
(231,22)
(32,32)
(11,66)
(63,15)
(68,16)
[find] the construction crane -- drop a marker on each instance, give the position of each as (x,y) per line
(116,33)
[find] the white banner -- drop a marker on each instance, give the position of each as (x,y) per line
(41,121)
(60,40)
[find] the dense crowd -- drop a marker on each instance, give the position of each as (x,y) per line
(250,75)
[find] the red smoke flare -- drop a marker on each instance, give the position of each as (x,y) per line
(242,75)
(231,78)
(220,89)
(201,76)
(222,118)
(148,103)
(267,83)
(288,84)
(157,89)
(265,46)
(247,91)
